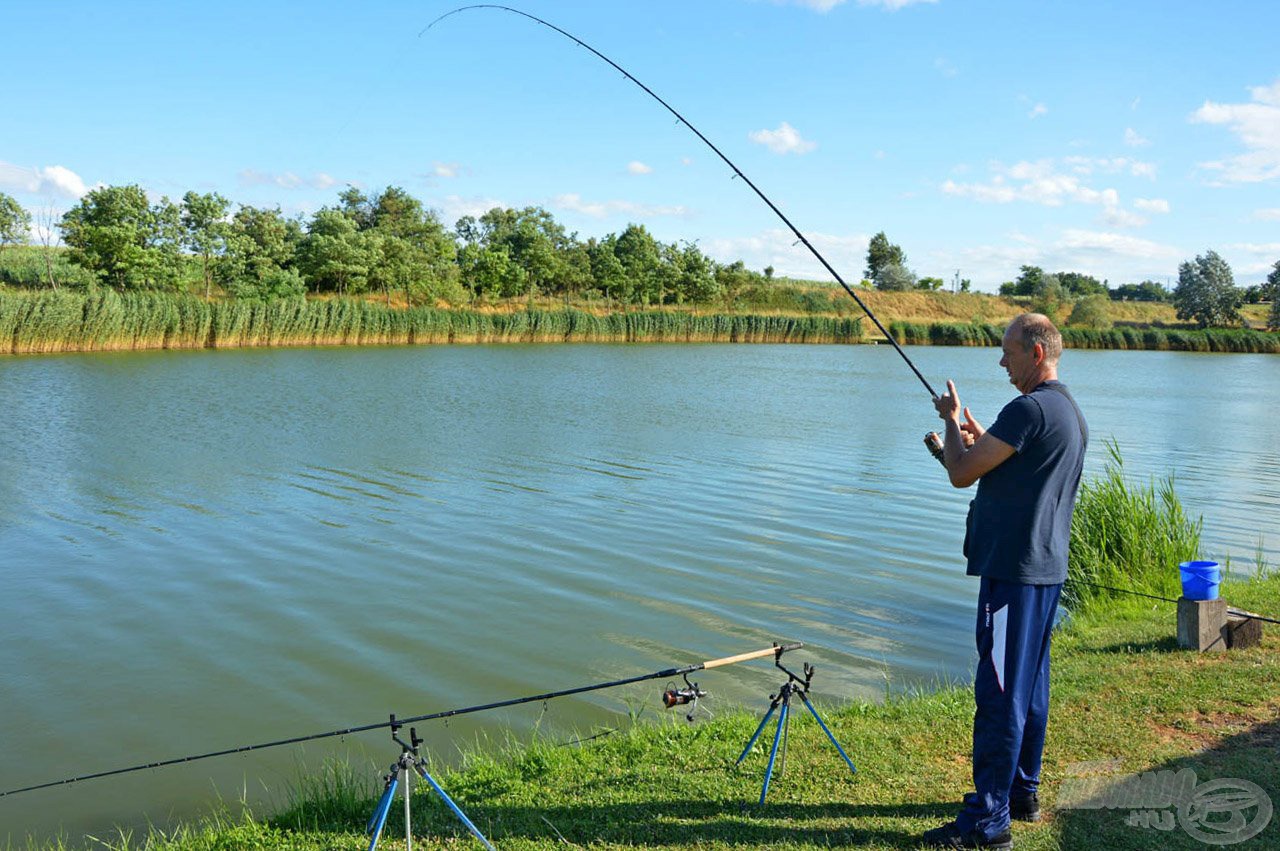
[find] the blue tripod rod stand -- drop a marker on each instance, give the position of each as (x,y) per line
(402,770)
(781,703)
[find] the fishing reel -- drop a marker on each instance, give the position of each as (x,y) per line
(689,695)
(933,442)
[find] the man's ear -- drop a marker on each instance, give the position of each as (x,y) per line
(1038,353)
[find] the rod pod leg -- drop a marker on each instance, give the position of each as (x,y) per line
(830,736)
(457,811)
(379,818)
(773,753)
(756,734)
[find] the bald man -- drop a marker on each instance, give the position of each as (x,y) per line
(1027,466)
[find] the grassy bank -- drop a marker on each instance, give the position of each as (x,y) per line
(1125,700)
(104,321)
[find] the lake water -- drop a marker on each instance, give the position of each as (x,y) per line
(207,549)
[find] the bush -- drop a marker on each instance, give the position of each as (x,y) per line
(1092,312)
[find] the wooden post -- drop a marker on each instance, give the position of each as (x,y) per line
(1202,625)
(1243,631)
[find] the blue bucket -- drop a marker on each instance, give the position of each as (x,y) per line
(1200,579)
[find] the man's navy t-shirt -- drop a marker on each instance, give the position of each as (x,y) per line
(1019,525)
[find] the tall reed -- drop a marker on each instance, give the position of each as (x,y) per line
(104,320)
(1127,536)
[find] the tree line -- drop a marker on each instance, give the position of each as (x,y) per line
(386,243)
(390,243)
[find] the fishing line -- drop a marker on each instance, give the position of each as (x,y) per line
(737,171)
(776,651)
(1231,611)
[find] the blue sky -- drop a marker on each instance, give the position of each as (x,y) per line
(1113,138)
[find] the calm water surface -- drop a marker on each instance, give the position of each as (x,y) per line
(207,549)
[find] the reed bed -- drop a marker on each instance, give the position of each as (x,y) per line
(1238,340)
(1127,536)
(106,320)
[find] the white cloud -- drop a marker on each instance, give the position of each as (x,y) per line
(945,67)
(1151,205)
(785,140)
(1134,139)
(454,207)
(1114,245)
(1111,165)
(686,161)
(572,201)
(637,167)
(1119,218)
(1269,214)
(1034,182)
(1038,110)
(778,248)
(1257,125)
(286,179)
(55,180)
(439,169)
(1270,249)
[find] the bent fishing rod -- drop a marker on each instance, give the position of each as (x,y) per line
(775,651)
(737,171)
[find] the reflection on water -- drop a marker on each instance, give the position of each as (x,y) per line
(215,548)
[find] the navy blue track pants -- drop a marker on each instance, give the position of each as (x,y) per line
(1011,690)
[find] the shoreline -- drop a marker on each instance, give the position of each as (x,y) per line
(48,322)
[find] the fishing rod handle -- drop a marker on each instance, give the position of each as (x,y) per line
(755,654)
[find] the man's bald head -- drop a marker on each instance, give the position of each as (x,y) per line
(1032,328)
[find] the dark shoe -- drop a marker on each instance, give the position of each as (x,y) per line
(1025,809)
(949,836)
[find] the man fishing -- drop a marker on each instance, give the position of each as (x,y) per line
(1027,466)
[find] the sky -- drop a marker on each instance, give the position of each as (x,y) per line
(1116,139)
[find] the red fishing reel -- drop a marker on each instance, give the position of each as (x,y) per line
(689,695)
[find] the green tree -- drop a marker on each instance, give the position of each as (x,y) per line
(733,279)
(607,273)
(1206,291)
(697,281)
(1145,291)
(640,256)
(489,271)
(1273,318)
(1029,279)
(357,207)
(335,255)
(1092,311)
(895,277)
(126,241)
(1079,284)
(260,243)
(205,230)
(1049,296)
(15,222)
(419,255)
(1271,289)
(881,253)
(931,284)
